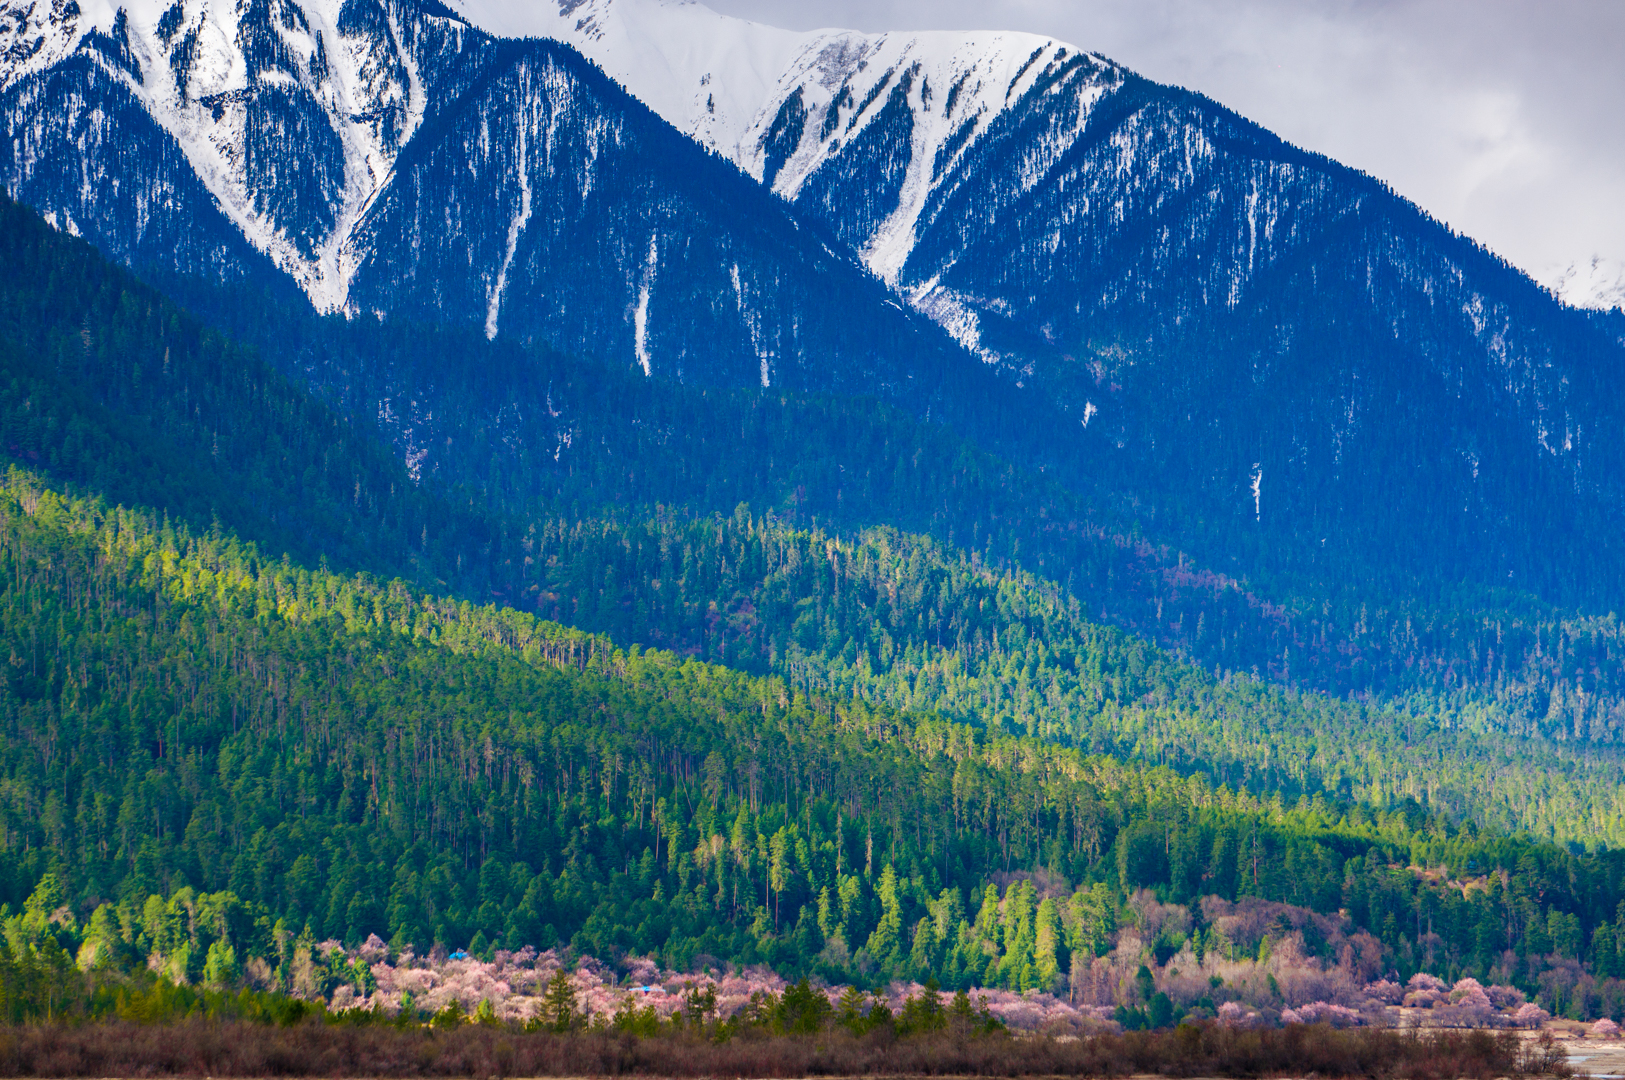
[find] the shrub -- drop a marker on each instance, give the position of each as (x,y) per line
(319,1047)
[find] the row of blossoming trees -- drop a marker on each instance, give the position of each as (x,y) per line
(524,987)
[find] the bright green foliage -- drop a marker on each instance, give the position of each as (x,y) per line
(109,386)
(38,981)
(253,756)
(925,1012)
(904,621)
(801,1010)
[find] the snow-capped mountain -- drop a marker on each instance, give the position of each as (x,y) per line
(1283,332)
(1221,320)
(1597,284)
(859,129)
(385,156)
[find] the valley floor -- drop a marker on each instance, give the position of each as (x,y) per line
(314,1048)
(1603,1058)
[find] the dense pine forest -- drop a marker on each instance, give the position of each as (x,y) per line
(1498,715)
(193,725)
(576,440)
(273,682)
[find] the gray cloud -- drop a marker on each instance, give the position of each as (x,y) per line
(1503,118)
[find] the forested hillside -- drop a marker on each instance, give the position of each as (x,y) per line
(350,757)
(116,390)
(920,758)
(574,439)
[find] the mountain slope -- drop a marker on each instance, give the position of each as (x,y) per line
(1361,377)
(594,502)
(1429,414)
(355,758)
(583,460)
(1301,370)
(184,712)
(82,145)
(859,128)
(286,116)
(113,389)
(545,199)
(388,158)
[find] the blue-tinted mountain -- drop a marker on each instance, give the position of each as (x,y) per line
(387,158)
(1206,338)
(1298,370)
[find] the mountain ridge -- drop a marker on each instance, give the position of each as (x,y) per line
(1274,363)
(1139,258)
(675,55)
(221,118)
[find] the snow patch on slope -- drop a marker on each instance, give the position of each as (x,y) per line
(640,316)
(955,314)
(516,227)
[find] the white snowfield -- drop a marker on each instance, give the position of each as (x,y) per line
(723,80)
(354,82)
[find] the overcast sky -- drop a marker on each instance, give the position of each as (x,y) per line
(1506,119)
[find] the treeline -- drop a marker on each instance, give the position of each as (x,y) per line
(183,719)
(114,389)
(534,437)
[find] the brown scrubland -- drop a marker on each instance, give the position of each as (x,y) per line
(206,1048)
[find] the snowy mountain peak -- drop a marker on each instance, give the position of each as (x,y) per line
(787,106)
(905,104)
(289,111)
(706,74)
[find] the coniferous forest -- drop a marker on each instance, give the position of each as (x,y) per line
(306,699)
(580,553)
